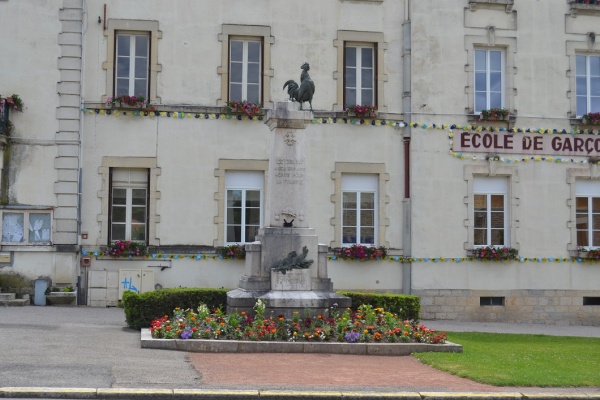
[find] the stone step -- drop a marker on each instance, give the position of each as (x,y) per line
(15,302)
(7,296)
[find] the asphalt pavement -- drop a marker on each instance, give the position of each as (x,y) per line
(91,349)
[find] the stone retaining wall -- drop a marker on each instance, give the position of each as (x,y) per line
(551,307)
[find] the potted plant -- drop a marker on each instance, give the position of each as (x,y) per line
(592,254)
(7,104)
(127,248)
(493,253)
(362,111)
(133,102)
(61,296)
(494,114)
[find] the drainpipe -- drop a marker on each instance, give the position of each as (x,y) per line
(406,134)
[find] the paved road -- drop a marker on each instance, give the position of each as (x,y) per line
(82,347)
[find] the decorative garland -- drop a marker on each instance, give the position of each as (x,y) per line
(239,117)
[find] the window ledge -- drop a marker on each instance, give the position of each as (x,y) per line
(504,123)
(496,4)
(577,123)
(591,7)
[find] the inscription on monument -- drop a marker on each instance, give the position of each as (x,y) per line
(289,171)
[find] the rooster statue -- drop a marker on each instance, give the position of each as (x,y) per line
(305,91)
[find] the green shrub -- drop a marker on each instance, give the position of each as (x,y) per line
(141,309)
(407,307)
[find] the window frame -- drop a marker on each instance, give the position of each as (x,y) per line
(489,187)
(491,169)
(381,220)
(220,196)
(247,32)
(589,189)
(365,39)
(359,87)
(251,183)
(129,188)
(359,184)
(26,221)
(588,96)
(132,64)
(245,67)
(127,26)
(104,194)
(488,71)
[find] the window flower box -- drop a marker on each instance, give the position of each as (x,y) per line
(244,107)
(361,252)
(126,249)
(494,115)
(361,111)
(590,254)
(493,253)
(591,119)
(234,251)
(129,102)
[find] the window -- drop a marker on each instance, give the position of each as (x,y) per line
(489,79)
(490,216)
(244,70)
(360,71)
(359,209)
(132,59)
(246,64)
(243,216)
(359,75)
(26,227)
(591,301)
(129,204)
(587,84)
(491,301)
(587,213)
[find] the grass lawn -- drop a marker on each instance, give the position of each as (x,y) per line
(521,360)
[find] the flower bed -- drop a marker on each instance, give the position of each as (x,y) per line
(365,325)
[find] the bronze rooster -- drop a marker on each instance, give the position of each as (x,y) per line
(304,91)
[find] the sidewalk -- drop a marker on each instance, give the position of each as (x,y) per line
(91,349)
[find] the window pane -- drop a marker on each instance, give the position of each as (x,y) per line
(581,86)
(348,235)
(367,236)
(253,52)
(234,216)
(39,227)
(495,100)
(351,77)
(139,197)
(366,97)
(252,198)
(497,237)
(480,101)
(367,78)
(118,232)
(234,198)
(497,201)
(582,238)
(236,72)
(366,57)
(138,232)
(351,56)
(140,88)
(253,216)
(253,94)
(235,92)
(480,60)
(480,202)
(480,81)
(122,87)
(367,218)
(119,196)
(596,238)
(350,97)
(237,49)
(141,68)
(253,73)
(581,106)
(367,200)
(123,67)
(234,234)
(595,104)
(595,204)
(495,61)
(581,67)
(595,221)
(119,214)
(479,238)
(594,66)
(138,214)
(349,218)
(141,46)
(594,86)
(480,220)
(349,200)
(497,220)
(12,227)
(495,81)
(123,45)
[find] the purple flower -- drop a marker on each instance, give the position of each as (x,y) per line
(351,337)
(186,334)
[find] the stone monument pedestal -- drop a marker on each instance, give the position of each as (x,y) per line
(299,280)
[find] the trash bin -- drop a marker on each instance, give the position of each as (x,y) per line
(39,291)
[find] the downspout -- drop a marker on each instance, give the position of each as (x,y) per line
(406,134)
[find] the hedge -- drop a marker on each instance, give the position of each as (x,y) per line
(142,309)
(408,307)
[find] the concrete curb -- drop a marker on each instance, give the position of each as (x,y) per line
(233,346)
(208,394)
